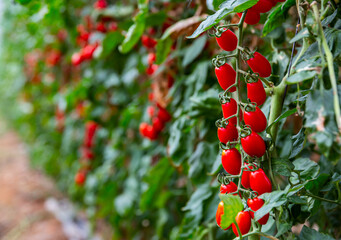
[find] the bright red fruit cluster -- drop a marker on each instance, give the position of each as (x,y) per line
(244,133)
(87,154)
(262,6)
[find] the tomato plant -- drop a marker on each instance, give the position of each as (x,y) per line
(117,101)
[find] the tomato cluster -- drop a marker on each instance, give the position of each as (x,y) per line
(262,6)
(241,125)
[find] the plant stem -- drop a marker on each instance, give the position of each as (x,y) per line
(259,234)
(321,199)
(238,229)
(330,62)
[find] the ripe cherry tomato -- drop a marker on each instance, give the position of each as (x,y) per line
(259,182)
(219,213)
(263,6)
(163,114)
(253,145)
(228,134)
(256,120)
(256,92)
(151,69)
(80,178)
(151,111)
(259,64)
(87,153)
(88,51)
(256,204)
(151,58)
(229,109)
(231,161)
(100,4)
(226,76)
(76,59)
(229,188)
(252,17)
(228,40)
(148,42)
(158,125)
(90,130)
(143,129)
(243,220)
(246,177)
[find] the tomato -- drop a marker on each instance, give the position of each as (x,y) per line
(256,92)
(252,17)
(256,204)
(246,177)
(226,76)
(87,153)
(158,125)
(229,109)
(259,64)
(151,69)
(219,213)
(163,114)
(253,145)
(263,6)
(229,188)
(88,51)
(243,220)
(76,59)
(100,4)
(228,134)
(231,161)
(143,129)
(112,27)
(90,130)
(151,58)
(80,178)
(259,182)
(101,27)
(256,120)
(228,40)
(148,42)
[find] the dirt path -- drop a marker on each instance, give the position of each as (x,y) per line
(23,192)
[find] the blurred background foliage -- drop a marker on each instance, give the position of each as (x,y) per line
(166,188)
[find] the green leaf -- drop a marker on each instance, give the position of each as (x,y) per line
(277,16)
(232,206)
(300,77)
(239,5)
(308,169)
(216,3)
(210,21)
(23,2)
(193,51)
(311,234)
(302,34)
(282,166)
(298,143)
(163,48)
(134,33)
(111,41)
(271,200)
(282,116)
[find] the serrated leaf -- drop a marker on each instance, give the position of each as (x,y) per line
(308,169)
(232,206)
(298,143)
(282,116)
(282,166)
(300,77)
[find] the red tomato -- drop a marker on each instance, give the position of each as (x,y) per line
(219,213)
(53,57)
(256,92)
(151,111)
(148,42)
(158,125)
(112,27)
(151,69)
(163,114)
(256,204)
(76,59)
(263,6)
(259,182)
(243,220)
(80,178)
(151,132)
(228,40)
(229,188)
(87,153)
(229,109)
(252,17)
(90,130)
(151,58)
(88,51)
(143,129)
(228,134)
(246,177)
(253,145)
(100,4)
(259,64)
(226,76)
(256,120)
(231,161)
(101,27)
